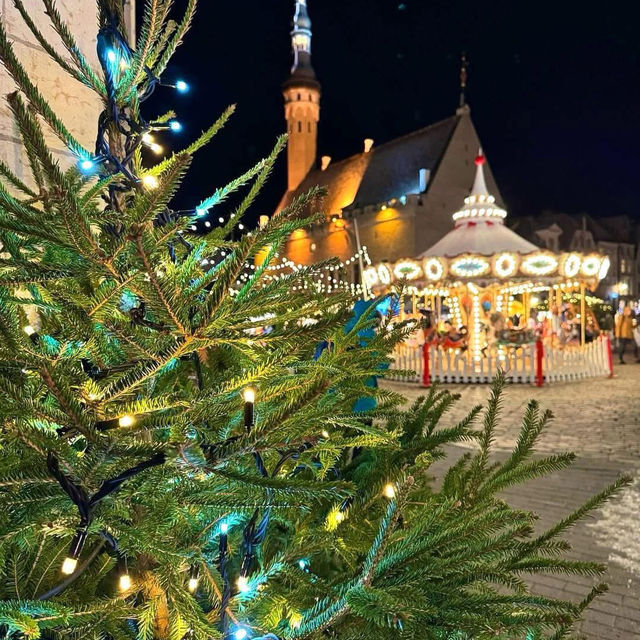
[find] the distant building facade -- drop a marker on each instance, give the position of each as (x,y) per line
(395,198)
(617,236)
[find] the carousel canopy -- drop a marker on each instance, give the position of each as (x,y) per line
(479,226)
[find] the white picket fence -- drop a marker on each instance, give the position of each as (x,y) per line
(520,364)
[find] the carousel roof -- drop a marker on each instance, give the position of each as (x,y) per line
(479,226)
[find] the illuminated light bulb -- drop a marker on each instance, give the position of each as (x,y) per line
(29,330)
(182,86)
(150,182)
(243,584)
(111,55)
(240,634)
(125,582)
(201,211)
(303,564)
(69,566)
(123,64)
(126,421)
(156,148)
(249,395)
(147,138)
(339,516)
(207,224)
(87,165)
(174,125)
(220,219)
(241,226)
(325,433)
(224,528)
(389,491)
(193,584)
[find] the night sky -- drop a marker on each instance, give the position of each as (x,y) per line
(553,89)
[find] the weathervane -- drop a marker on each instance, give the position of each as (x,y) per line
(464,64)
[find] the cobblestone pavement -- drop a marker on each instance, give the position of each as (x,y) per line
(600,421)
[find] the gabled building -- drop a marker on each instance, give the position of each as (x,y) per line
(395,198)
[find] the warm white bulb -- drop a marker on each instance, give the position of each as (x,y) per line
(249,395)
(389,491)
(69,566)
(29,330)
(339,516)
(125,582)
(325,434)
(193,584)
(243,584)
(126,421)
(156,148)
(150,182)
(147,138)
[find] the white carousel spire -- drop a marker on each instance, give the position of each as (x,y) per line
(479,185)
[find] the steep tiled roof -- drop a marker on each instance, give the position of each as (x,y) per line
(388,171)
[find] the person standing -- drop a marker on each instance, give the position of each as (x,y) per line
(624,331)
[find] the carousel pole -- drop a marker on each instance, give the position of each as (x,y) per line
(583,315)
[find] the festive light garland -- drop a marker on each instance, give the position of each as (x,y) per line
(470,266)
(570,265)
(434,269)
(408,269)
(505,264)
(591,266)
(539,264)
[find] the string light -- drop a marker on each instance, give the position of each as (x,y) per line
(126,421)
(224,528)
(407,269)
(150,181)
(303,564)
(87,165)
(240,634)
(29,330)
(182,86)
(175,126)
(389,491)
(194,578)
(243,584)
(124,582)
(75,549)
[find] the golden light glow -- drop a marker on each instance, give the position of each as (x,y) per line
(384,274)
(193,584)
(604,268)
(591,266)
(126,421)
(505,265)
(150,181)
(243,584)
(389,491)
(125,582)
(570,265)
(370,276)
(434,269)
(29,330)
(69,566)
(249,395)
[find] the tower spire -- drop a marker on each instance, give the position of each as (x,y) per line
(301,100)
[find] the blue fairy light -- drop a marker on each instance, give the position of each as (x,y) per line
(182,86)
(87,165)
(240,633)
(111,55)
(303,563)
(175,126)
(224,527)
(201,211)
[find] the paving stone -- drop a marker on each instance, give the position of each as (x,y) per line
(600,421)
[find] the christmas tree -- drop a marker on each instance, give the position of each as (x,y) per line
(169,468)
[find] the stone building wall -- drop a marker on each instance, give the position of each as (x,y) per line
(77,106)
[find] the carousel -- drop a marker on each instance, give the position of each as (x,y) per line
(494,300)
